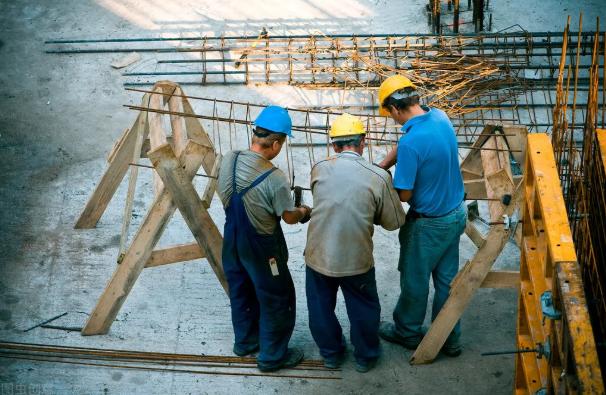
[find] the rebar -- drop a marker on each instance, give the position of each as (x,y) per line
(127,359)
(581,168)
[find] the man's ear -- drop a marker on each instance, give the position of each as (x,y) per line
(276,146)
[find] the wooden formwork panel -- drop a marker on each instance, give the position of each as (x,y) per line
(567,361)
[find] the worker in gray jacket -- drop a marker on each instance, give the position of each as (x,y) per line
(350,196)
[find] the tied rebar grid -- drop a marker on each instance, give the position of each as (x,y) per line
(325,61)
(229,126)
(582,171)
(503,77)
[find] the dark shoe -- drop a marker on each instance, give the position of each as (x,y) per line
(335,362)
(293,357)
(363,366)
(242,352)
(387,331)
(452,351)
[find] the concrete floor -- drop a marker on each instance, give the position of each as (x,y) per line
(59,116)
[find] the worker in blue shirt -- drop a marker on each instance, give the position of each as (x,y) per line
(428,177)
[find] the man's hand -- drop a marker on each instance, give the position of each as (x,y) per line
(389,160)
(299,214)
(387,170)
(307,215)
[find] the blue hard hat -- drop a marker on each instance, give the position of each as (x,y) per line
(275,119)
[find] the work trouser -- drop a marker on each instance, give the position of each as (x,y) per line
(363,310)
(429,247)
(262,306)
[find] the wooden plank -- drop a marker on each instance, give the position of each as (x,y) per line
(551,201)
(191,207)
(117,143)
(196,132)
(517,143)
(498,184)
(140,250)
(464,287)
(157,134)
(473,161)
(581,341)
(178,253)
(132,184)
(147,145)
(472,164)
(126,60)
(475,188)
(497,172)
(470,175)
(176,121)
(501,279)
(474,234)
(211,186)
(110,181)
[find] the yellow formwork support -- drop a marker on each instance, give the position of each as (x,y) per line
(567,361)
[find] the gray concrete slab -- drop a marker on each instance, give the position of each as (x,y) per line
(59,116)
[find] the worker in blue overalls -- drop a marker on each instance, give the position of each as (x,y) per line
(256,196)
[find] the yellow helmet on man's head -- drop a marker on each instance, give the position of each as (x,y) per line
(389,86)
(346,125)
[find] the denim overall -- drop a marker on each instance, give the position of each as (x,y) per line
(262,297)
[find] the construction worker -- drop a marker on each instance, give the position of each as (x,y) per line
(427,176)
(350,196)
(255,195)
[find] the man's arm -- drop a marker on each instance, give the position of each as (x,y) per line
(390,159)
(283,203)
(390,214)
(404,194)
(292,217)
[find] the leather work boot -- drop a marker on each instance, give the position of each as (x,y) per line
(335,362)
(242,352)
(387,331)
(363,366)
(452,351)
(293,357)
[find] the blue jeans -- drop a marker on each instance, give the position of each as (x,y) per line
(363,310)
(428,247)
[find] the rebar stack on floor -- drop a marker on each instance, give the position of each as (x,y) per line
(582,167)
(218,365)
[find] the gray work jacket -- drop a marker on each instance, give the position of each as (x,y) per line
(350,196)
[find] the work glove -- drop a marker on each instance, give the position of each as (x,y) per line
(307,215)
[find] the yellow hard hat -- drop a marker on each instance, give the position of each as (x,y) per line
(389,86)
(346,125)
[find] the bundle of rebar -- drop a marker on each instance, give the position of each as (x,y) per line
(582,171)
(160,362)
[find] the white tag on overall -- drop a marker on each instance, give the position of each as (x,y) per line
(273,265)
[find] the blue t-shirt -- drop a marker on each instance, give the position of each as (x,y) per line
(428,164)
